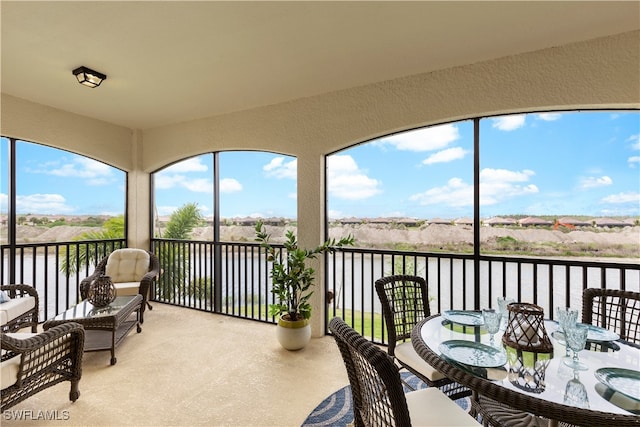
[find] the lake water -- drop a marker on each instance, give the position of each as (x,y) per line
(354,286)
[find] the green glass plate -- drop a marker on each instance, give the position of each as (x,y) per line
(464,317)
(473,353)
(623,381)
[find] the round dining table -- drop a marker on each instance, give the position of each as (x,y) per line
(536,383)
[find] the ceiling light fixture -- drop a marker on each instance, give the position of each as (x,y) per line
(88,77)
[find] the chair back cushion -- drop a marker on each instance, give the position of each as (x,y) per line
(127,265)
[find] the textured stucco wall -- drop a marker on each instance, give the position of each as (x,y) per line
(57,128)
(601,73)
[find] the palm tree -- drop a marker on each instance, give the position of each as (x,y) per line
(174,259)
(81,256)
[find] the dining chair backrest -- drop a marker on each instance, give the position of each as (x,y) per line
(378,396)
(613,309)
(404,303)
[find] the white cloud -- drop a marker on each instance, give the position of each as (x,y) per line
(42,203)
(509,123)
(633,160)
(192,164)
(277,168)
(200,185)
(503,175)
(335,214)
(594,182)
(90,171)
(497,185)
(456,193)
(549,117)
(347,181)
(165,181)
(425,139)
(635,141)
(444,156)
(166,210)
(230,185)
(629,197)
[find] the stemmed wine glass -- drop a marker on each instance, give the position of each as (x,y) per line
(576,337)
(567,317)
(575,393)
(492,320)
(503,302)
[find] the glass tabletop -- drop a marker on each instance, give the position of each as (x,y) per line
(85,310)
(542,375)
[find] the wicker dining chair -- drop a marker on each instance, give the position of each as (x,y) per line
(377,392)
(405,302)
(613,309)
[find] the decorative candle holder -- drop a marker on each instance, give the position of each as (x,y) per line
(101,292)
(527,370)
(525,329)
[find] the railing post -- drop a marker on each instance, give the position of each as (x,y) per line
(476,214)
(217,249)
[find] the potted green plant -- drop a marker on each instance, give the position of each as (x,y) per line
(292,283)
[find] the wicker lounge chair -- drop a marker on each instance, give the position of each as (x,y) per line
(613,309)
(378,396)
(132,271)
(404,303)
(21,311)
(33,362)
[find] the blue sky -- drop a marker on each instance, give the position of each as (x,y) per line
(569,163)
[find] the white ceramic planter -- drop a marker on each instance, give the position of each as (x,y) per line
(293,335)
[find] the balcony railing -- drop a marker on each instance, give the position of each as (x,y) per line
(41,266)
(233,278)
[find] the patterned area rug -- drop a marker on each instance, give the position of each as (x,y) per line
(336,410)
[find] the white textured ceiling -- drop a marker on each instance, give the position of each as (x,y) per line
(170,62)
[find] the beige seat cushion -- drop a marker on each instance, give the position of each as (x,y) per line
(431,407)
(14,308)
(9,368)
(127,265)
(127,288)
(406,354)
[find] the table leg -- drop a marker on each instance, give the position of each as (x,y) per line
(113,347)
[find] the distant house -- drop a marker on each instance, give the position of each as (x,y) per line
(464,221)
(532,221)
(350,221)
(407,222)
(439,221)
(496,220)
(609,222)
(380,221)
(573,221)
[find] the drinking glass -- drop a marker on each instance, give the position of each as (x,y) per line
(575,393)
(491,322)
(576,337)
(567,317)
(503,302)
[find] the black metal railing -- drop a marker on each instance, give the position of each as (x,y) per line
(41,266)
(547,282)
(233,278)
